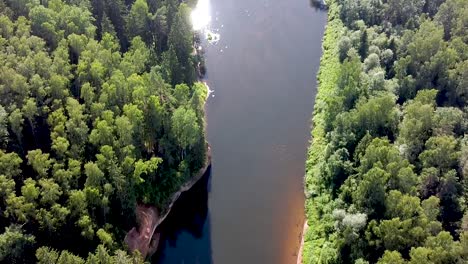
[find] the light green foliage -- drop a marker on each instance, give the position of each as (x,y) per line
(181,93)
(46,255)
(417,123)
(431,208)
(39,161)
(138,19)
(53,219)
(87,226)
(106,238)
(145,167)
(77,202)
(349,82)
(441,152)
(94,175)
(378,116)
(91,123)
(50,191)
(391,257)
(3,125)
(10,164)
(185,127)
(135,60)
(371,62)
(385,170)
(7,186)
(29,190)
(60,145)
(16,123)
(67,257)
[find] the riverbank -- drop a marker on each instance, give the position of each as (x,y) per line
(316,198)
(144,237)
(301,246)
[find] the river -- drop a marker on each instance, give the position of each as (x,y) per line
(249,207)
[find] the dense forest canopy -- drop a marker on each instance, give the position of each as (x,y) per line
(99,110)
(387,173)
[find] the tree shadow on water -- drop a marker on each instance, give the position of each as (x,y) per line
(318,4)
(185,234)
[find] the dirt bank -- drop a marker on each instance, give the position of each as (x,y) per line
(301,247)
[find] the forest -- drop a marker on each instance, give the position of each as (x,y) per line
(387,169)
(100,110)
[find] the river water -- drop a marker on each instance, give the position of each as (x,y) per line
(249,207)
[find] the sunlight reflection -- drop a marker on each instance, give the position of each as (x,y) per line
(201,15)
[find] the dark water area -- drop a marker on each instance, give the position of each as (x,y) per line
(187,228)
(263,73)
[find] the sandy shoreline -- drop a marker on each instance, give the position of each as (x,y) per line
(301,247)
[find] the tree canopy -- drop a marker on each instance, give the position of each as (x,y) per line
(386,172)
(99,110)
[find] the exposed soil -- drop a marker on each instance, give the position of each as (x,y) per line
(301,247)
(140,239)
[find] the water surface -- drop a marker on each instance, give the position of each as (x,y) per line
(263,73)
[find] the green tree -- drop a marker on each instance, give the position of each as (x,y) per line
(181,39)
(76,127)
(138,20)
(50,191)
(106,238)
(417,123)
(10,164)
(185,128)
(391,257)
(16,123)
(378,116)
(87,226)
(441,152)
(370,195)
(30,191)
(7,186)
(3,125)
(86,122)
(349,82)
(77,202)
(40,162)
(14,243)
(171,67)
(66,257)
(401,12)
(46,255)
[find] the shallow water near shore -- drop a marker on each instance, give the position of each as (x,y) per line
(262,71)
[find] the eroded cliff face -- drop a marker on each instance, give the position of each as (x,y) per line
(140,238)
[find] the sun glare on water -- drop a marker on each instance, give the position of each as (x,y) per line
(201,15)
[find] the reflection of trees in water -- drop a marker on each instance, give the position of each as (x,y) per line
(318,4)
(189,215)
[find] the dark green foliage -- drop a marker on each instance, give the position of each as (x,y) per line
(89,126)
(386,170)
